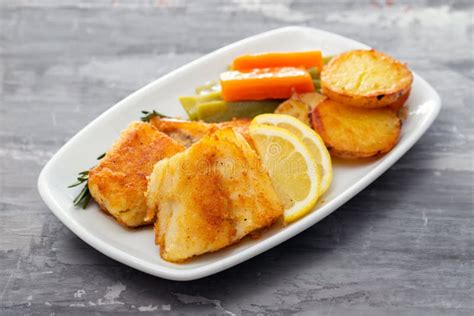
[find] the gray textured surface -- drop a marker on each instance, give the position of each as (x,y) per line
(403,245)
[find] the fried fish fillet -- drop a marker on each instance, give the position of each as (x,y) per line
(119,181)
(187,133)
(210,196)
(239,125)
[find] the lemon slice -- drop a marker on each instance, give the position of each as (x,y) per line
(309,137)
(292,168)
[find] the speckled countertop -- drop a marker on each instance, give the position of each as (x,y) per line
(403,245)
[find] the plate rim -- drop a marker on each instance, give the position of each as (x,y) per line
(264,244)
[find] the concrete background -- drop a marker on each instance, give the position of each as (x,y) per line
(403,245)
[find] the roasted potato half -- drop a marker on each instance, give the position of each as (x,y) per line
(365,78)
(294,108)
(312,99)
(300,105)
(354,132)
(398,105)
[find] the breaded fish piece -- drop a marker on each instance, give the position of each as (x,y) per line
(187,133)
(118,183)
(210,196)
(240,125)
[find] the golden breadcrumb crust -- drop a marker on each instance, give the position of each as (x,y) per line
(119,181)
(188,132)
(365,78)
(352,132)
(210,196)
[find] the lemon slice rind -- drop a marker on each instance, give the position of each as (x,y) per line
(301,207)
(305,133)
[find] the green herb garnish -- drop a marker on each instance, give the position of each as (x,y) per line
(147,116)
(84,196)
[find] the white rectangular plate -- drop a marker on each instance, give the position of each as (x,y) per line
(136,248)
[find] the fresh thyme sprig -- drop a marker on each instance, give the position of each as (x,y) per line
(147,116)
(84,196)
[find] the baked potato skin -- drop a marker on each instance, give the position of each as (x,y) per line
(294,108)
(300,105)
(365,78)
(352,133)
(398,105)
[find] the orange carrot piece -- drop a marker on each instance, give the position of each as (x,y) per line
(266,83)
(306,59)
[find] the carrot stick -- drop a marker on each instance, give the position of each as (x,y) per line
(266,83)
(306,59)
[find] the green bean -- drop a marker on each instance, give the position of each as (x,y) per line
(209,87)
(317,84)
(314,72)
(220,111)
(189,103)
(327,59)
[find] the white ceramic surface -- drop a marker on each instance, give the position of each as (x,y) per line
(136,248)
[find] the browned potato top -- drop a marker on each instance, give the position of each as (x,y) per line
(351,132)
(365,78)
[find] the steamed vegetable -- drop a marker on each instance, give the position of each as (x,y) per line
(221,111)
(189,102)
(314,73)
(327,59)
(264,84)
(211,108)
(253,91)
(306,59)
(208,87)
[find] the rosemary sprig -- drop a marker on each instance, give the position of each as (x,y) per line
(84,197)
(147,116)
(81,178)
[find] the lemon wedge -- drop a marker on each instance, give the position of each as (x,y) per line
(310,138)
(292,168)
